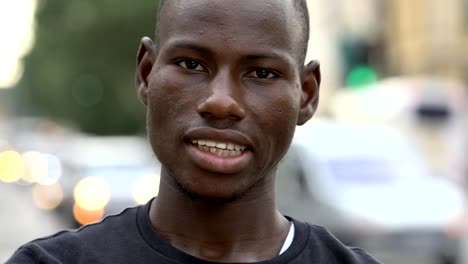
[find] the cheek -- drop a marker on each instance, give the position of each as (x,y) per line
(167,97)
(284,118)
(168,112)
(277,107)
(276,115)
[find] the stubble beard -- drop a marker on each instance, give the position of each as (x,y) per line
(196,197)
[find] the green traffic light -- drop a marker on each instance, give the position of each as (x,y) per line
(361,77)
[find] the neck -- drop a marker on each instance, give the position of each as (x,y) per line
(244,230)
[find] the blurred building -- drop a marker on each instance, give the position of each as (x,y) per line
(427,36)
(343,35)
(396,37)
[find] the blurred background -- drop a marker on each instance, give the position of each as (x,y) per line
(387,169)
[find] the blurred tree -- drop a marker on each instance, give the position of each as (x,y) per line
(81,69)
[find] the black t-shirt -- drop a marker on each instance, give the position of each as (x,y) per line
(129,238)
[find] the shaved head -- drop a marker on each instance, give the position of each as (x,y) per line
(303,18)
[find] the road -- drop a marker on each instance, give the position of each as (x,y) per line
(21,221)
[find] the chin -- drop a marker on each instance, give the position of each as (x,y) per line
(215,193)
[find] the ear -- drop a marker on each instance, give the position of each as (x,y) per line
(145,61)
(311,78)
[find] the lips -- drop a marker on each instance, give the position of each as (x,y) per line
(219,151)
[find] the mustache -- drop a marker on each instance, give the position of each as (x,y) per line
(221,124)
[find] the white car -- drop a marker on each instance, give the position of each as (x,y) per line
(370,187)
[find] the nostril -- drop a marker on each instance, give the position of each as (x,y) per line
(209,115)
(206,115)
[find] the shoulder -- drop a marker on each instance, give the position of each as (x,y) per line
(79,246)
(324,245)
(337,250)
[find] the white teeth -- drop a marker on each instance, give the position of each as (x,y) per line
(210,143)
(221,145)
(222,149)
(219,152)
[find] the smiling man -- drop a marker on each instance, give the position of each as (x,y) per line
(224,85)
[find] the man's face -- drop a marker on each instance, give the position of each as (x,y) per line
(224,93)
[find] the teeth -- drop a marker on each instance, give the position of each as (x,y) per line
(221,145)
(220,149)
(218,145)
(210,144)
(220,152)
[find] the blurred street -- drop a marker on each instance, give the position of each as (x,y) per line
(383,162)
(21,221)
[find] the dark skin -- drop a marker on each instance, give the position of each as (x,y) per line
(227,71)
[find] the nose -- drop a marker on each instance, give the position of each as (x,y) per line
(224,99)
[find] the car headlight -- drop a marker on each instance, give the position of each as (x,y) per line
(92,193)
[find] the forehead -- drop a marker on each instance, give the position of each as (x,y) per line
(245,23)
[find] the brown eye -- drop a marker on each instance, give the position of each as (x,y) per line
(261,73)
(191,65)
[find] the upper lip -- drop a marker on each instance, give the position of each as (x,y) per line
(225,135)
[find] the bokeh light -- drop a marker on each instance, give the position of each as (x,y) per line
(92,194)
(361,76)
(18,39)
(12,167)
(85,217)
(44,169)
(47,196)
(30,158)
(146,188)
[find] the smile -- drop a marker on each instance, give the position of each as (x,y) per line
(220,149)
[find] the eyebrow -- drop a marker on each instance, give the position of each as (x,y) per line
(268,56)
(180,44)
(183,44)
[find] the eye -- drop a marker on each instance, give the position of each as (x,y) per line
(261,74)
(191,65)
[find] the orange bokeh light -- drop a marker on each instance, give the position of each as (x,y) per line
(85,217)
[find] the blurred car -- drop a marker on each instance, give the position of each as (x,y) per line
(370,187)
(36,145)
(105,174)
(431,110)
